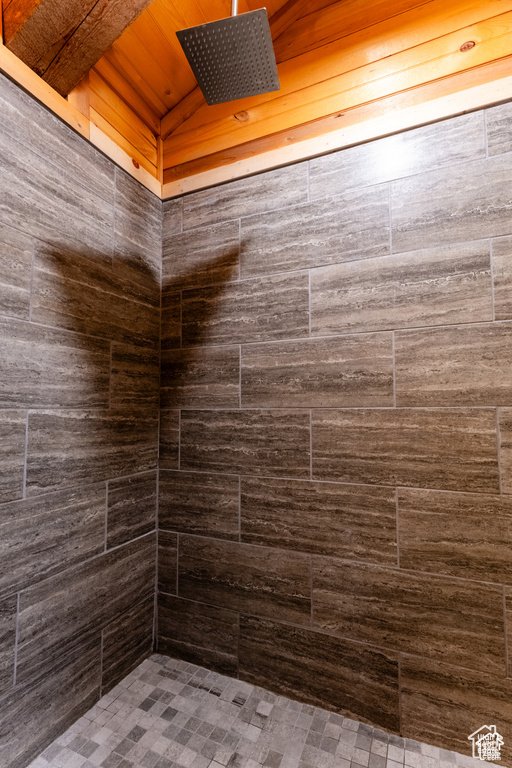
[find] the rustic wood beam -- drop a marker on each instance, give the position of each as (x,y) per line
(61,40)
(279,23)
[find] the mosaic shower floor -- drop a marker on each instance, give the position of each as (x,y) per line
(171,714)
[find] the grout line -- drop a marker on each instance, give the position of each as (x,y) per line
(16,638)
(24,489)
(106,518)
(508,669)
(397,530)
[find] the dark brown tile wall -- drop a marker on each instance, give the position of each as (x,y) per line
(80,261)
(341,533)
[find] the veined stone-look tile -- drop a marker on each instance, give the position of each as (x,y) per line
(131,508)
(263,309)
(457,534)
(169,439)
(201,377)
(254,580)
(12,454)
(8,609)
(199,503)
(415,151)
(135,374)
(264,192)
(201,256)
(444,705)
(449,449)
(49,533)
(167,562)
(59,613)
(69,447)
(82,295)
(460,622)
(51,205)
(32,125)
(462,202)
(172,215)
(127,641)
(138,233)
(436,286)
(15,273)
(353,521)
(44,367)
(348,371)
(460,365)
(323,670)
(505,426)
(499,131)
(170,332)
(256,442)
(343,228)
(508,619)
(199,634)
(502,273)
(36,712)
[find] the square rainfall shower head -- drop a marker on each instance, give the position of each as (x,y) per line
(232,58)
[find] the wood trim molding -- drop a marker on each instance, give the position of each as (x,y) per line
(489,85)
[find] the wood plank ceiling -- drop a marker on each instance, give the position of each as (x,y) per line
(335,57)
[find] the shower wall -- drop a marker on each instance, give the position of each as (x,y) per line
(335,493)
(80,247)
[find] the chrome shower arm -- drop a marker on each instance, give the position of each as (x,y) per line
(234,7)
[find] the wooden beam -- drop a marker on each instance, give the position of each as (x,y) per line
(449,97)
(279,22)
(15,14)
(62,39)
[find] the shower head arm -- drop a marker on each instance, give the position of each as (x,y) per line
(234,7)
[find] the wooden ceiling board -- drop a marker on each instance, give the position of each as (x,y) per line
(127,92)
(311,82)
(134,79)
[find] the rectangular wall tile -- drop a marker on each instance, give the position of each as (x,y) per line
(255,442)
(167,562)
(199,503)
(43,367)
(462,202)
(62,611)
(451,449)
(201,256)
(460,365)
(49,533)
(242,577)
(131,508)
(352,521)
(169,439)
(80,295)
(35,713)
(508,628)
(170,329)
(457,534)
(15,273)
(505,427)
(448,619)
(344,228)
(135,374)
(202,377)
(264,192)
(438,286)
(265,309)
(415,151)
(499,132)
(349,371)
(12,454)
(126,643)
(8,610)
(69,447)
(172,215)
(502,274)
(443,705)
(322,670)
(200,634)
